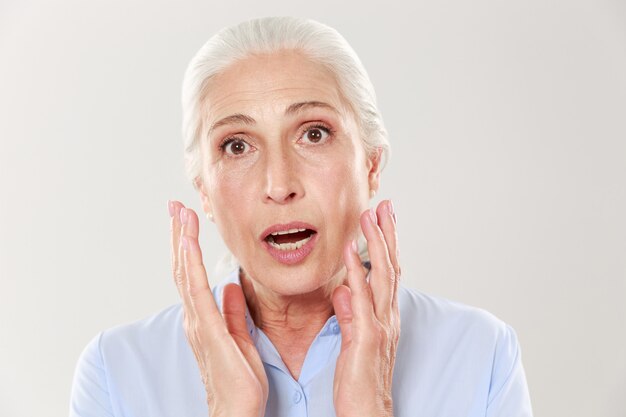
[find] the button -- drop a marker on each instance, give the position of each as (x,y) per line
(297,397)
(336,328)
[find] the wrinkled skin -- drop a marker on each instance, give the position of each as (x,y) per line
(309,165)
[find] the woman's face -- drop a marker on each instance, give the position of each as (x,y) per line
(281,153)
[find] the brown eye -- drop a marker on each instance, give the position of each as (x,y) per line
(235,147)
(316,134)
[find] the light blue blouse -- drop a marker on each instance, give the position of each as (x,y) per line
(452,360)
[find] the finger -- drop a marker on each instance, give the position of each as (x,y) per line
(361,300)
(178,269)
(381,274)
(387,223)
(343,311)
(199,292)
(234,313)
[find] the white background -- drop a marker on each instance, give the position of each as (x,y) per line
(507,122)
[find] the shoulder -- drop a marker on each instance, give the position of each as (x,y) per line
(131,368)
(160,321)
(159,333)
(114,359)
(437,316)
(449,350)
(436,330)
(147,349)
(161,329)
(131,346)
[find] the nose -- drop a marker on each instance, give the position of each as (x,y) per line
(283,180)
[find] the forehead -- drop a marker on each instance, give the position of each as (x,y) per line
(262,84)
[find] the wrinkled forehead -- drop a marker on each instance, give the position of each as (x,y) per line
(265,86)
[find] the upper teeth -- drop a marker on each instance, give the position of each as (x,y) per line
(288,231)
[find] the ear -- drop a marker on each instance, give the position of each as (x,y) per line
(204,196)
(373,165)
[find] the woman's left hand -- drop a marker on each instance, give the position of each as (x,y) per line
(369,319)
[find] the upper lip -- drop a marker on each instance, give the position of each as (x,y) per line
(283,227)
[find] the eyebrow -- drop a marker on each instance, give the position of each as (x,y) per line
(293,109)
(233,119)
(298,107)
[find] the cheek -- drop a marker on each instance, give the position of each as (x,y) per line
(343,188)
(232,206)
(231,189)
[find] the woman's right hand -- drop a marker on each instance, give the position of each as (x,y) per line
(230,365)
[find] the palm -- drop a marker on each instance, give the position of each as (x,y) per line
(229,364)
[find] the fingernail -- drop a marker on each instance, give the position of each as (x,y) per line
(185,243)
(170,208)
(183,215)
(373,216)
(355,248)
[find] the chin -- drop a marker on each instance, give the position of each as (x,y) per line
(293,280)
(301,279)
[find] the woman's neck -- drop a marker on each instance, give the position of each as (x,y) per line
(295,314)
(290,322)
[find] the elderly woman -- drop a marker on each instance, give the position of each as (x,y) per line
(285,144)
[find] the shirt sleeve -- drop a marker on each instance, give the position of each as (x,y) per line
(90,395)
(508,391)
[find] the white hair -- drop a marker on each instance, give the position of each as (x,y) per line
(319,42)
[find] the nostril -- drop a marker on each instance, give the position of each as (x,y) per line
(281,197)
(283,188)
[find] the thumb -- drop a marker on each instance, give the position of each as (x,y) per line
(234,312)
(343,310)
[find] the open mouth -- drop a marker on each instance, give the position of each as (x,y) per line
(291,239)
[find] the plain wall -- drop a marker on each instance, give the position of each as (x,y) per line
(507,123)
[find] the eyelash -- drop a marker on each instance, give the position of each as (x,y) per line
(228,141)
(320,126)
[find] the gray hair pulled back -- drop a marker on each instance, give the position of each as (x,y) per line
(319,42)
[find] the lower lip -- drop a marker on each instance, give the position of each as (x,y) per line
(291,257)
